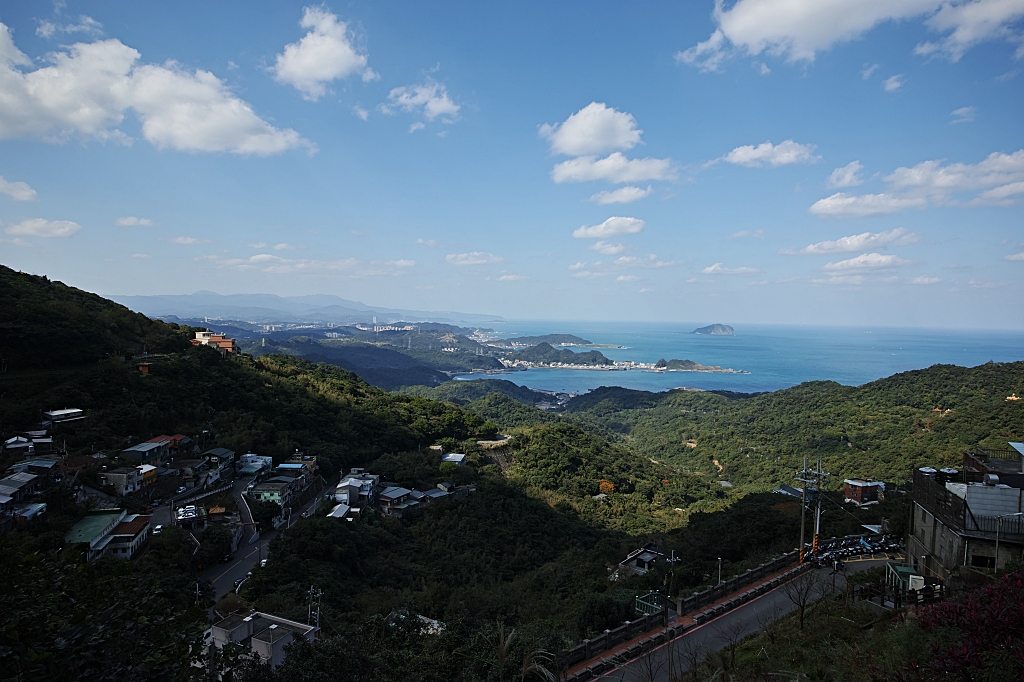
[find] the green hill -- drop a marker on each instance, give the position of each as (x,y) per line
(46,324)
(880,430)
(545,353)
(461,392)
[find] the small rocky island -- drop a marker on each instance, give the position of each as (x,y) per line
(716,330)
(691,366)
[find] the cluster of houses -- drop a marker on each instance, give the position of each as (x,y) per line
(361,489)
(40,468)
(284,484)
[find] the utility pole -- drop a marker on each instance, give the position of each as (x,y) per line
(820,477)
(314,606)
(802,476)
(815,476)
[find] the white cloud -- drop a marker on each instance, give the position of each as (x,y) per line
(842,205)
(623,195)
(197,113)
(510,278)
(743,234)
(869,71)
(431,99)
(594,129)
(607,249)
(40,227)
(970,23)
(418,125)
(612,227)
(258,245)
(648,261)
(796,30)
(87,89)
(429,243)
(784,154)
(351,268)
(361,113)
(892,83)
(589,274)
(324,54)
(1002,195)
(284,247)
(19,191)
(627,278)
(719,269)
(188,241)
(473,258)
(132,221)
(847,176)
(86,25)
(613,168)
(141,256)
(963,114)
(998,179)
(859,242)
(579,265)
(866,261)
(924,279)
(996,170)
(1015,256)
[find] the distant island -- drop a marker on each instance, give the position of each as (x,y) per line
(716,330)
(691,366)
(553,339)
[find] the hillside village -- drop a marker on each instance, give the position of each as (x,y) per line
(271,505)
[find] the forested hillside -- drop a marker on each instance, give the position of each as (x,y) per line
(46,325)
(555,507)
(880,430)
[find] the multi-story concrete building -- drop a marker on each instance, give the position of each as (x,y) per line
(967,518)
(264,634)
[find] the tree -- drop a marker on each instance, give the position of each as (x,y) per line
(264,512)
(803,590)
(731,631)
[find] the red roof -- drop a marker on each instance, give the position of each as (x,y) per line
(133,527)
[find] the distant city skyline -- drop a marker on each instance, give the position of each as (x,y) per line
(834,162)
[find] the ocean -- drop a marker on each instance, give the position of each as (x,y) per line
(775,356)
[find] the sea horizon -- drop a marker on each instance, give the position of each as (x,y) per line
(776,356)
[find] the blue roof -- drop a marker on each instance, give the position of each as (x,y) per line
(291,466)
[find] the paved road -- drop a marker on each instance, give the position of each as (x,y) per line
(715,635)
(250,550)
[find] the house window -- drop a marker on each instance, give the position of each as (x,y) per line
(978,561)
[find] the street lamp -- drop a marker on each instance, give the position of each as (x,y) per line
(999,525)
(719,570)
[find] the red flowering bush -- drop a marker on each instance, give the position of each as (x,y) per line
(979,636)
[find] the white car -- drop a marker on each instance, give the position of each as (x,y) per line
(157,529)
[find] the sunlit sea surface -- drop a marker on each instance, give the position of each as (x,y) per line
(775,356)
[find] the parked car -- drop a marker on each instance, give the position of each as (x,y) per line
(227,558)
(180,490)
(159,527)
(263,562)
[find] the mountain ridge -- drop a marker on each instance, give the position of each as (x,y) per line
(271,308)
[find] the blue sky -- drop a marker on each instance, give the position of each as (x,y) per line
(806,161)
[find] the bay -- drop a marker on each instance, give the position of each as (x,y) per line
(776,356)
